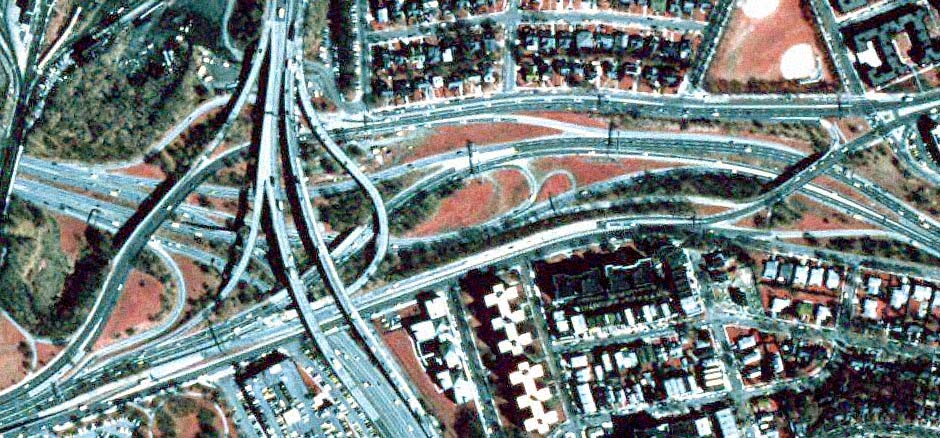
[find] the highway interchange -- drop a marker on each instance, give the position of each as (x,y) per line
(83,379)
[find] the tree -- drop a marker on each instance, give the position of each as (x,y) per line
(467,422)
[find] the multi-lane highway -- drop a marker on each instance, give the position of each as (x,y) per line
(340,326)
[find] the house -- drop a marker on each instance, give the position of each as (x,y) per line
(770,269)
(800,276)
(584,39)
(874,286)
(823,314)
(605,42)
(816,277)
(786,273)
(900,295)
(727,424)
(870,309)
(922,292)
(833,279)
(752,358)
(747,342)
(779,305)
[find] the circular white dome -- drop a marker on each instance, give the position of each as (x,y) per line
(798,62)
(758,9)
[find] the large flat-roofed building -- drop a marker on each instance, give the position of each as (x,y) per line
(892,45)
(844,6)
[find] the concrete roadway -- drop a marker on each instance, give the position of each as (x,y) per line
(760,149)
(376,301)
(136,238)
(243,319)
(786,189)
(315,239)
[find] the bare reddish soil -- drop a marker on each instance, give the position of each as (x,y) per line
(817,217)
(853,127)
(197,281)
(449,138)
(473,204)
(444,409)
(583,119)
(11,359)
(187,426)
(142,170)
(589,170)
(822,218)
(751,49)
(850,193)
(139,302)
(554,186)
(709,210)
(71,236)
(226,205)
(513,189)
(45,352)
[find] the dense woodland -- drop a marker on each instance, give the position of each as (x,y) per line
(245,22)
(342,37)
(33,269)
(119,98)
(41,290)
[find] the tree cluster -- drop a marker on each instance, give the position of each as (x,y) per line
(113,105)
(245,23)
(343,38)
(33,269)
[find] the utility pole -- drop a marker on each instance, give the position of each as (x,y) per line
(470,156)
(551,202)
(610,135)
(91,214)
(215,339)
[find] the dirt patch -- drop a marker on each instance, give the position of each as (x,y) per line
(750,53)
(443,408)
(819,217)
(142,170)
(583,119)
(553,186)
(218,204)
(12,357)
(136,308)
(198,282)
(180,417)
(45,352)
(513,189)
(881,166)
(71,236)
(709,210)
(58,22)
(800,213)
(852,127)
(449,138)
(233,176)
(589,170)
(473,204)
